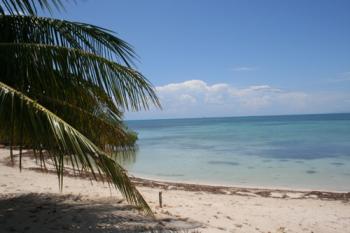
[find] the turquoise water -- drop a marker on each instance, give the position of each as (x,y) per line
(296,151)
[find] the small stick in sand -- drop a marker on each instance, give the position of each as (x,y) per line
(160,200)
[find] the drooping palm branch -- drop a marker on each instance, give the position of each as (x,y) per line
(50,132)
(127,87)
(78,40)
(63,89)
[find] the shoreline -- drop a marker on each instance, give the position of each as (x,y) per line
(234,186)
(242,191)
(149,181)
(274,192)
(224,190)
(142,181)
(84,206)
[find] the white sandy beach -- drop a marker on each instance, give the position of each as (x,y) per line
(33,198)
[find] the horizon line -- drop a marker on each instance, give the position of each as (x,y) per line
(209,117)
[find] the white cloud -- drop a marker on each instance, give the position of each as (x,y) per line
(193,85)
(196,98)
(244,68)
(188,99)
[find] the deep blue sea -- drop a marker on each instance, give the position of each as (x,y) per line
(295,151)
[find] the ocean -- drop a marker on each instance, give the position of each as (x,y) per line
(304,152)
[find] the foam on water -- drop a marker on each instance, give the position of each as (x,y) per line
(299,151)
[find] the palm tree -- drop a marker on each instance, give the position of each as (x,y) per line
(63,89)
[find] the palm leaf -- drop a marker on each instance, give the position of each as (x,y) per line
(21,114)
(102,127)
(34,64)
(92,113)
(28,6)
(59,76)
(87,37)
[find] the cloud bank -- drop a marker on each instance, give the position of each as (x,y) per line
(196,98)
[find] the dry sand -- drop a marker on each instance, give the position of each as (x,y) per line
(30,201)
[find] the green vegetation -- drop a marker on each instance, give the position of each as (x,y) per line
(63,89)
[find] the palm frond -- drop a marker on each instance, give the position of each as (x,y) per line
(101,126)
(91,112)
(28,6)
(63,89)
(22,115)
(42,64)
(87,37)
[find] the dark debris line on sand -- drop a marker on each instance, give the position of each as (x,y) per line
(241,191)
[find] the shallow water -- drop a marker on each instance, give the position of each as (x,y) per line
(296,151)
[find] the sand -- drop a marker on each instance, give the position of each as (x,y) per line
(30,201)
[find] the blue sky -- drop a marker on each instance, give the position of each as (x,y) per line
(234,57)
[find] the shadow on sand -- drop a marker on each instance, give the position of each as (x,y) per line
(33,213)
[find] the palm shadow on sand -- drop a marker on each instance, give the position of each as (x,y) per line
(33,213)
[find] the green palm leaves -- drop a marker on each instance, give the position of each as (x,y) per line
(63,33)
(63,88)
(48,131)
(28,6)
